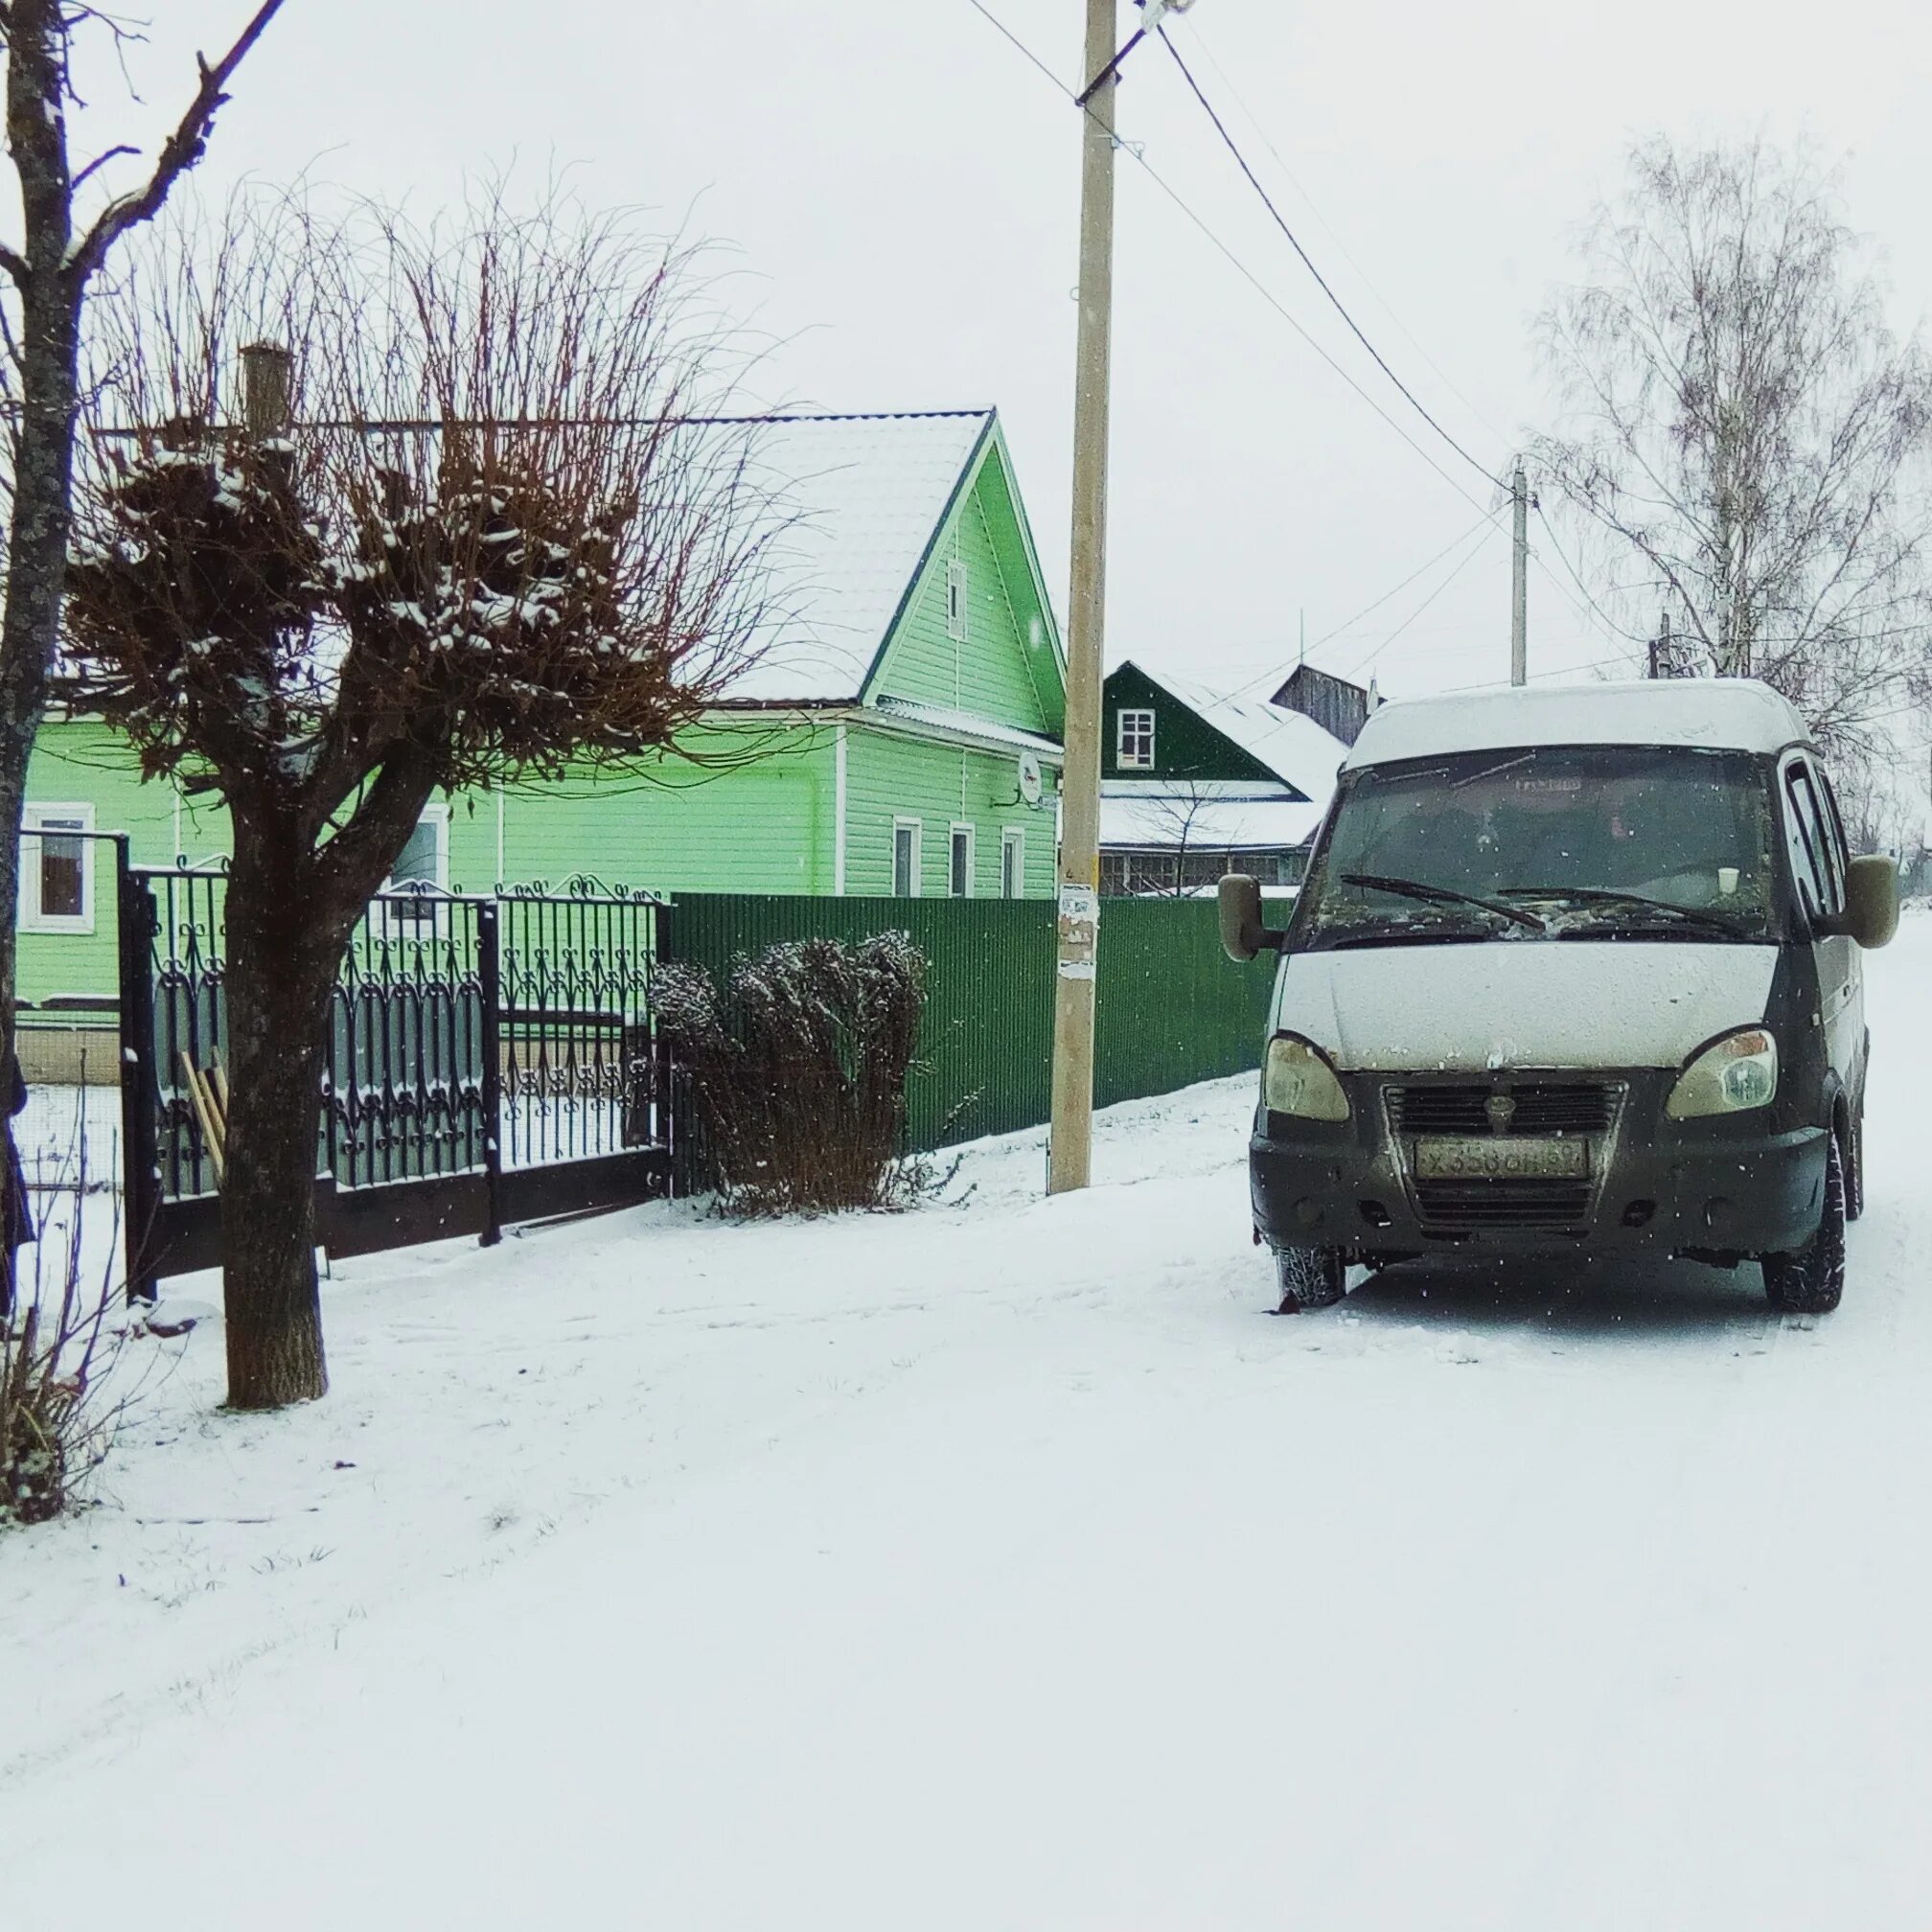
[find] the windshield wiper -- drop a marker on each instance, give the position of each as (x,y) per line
(1604,895)
(1443,895)
(1417,932)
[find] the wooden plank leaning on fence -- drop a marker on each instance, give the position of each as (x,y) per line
(208,1090)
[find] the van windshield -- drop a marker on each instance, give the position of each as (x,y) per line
(1558,842)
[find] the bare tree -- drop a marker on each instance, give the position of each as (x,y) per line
(496,532)
(1174,816)
(47,280)
(1743,424)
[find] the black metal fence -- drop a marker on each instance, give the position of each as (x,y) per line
(489,1060)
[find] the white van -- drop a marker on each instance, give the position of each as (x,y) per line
(1572,971)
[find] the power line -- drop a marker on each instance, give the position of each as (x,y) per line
(1307,260)
(1369,609)
(1362,664)
(1288,174)
(1239,267)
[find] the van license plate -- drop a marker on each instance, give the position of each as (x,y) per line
(1502,1158)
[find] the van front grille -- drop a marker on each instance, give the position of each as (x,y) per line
(1540,1107)
(1503,1204)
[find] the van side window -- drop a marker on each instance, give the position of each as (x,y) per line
(1813,858)
(1840,845)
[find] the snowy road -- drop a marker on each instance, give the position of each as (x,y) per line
(1004,1565)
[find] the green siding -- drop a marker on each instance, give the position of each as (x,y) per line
(85,763)
(888,776)
(1006,668)
(1185,745)
(671,826)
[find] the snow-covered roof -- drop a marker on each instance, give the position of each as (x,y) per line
(1292,747)
(970,724)
(1728,714)
(865,494)
(1147,815)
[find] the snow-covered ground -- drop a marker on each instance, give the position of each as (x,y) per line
(1003,1564)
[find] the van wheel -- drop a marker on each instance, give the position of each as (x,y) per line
(1811,1282)
(1854,1169)
(1309,1278)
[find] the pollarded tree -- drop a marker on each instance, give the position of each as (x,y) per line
(487,539)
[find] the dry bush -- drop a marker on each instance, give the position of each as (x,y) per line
(797,1068)
(54,1423)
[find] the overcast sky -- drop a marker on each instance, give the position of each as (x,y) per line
(900,191)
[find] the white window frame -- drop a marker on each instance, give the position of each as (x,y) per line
(960,829)
(917,828)
(958,585)
(1130,722)
(1013,840)
(394,920)
(68,819)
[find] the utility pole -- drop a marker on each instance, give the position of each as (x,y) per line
(1070,1146)
(1519,583)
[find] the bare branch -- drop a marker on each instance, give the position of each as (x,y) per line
(179,152)
(100,161)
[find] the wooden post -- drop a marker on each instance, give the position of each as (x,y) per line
(1070,1155)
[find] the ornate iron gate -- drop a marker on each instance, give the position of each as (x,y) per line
(489,1061)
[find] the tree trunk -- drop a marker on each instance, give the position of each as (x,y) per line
(280,969)
(36,570)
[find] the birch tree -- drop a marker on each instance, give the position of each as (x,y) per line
(1745,432)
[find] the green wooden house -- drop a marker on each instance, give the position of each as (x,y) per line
(1194,784)
(901,735)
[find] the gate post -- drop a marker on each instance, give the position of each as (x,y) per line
(490,981)
(139,1086)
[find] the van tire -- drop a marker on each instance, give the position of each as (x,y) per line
(1811,1281)
(1310,1278)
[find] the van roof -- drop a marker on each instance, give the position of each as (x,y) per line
(1726,714)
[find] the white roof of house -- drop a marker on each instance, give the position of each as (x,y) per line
(970,724)
(1727,714)
(1292,747)
(864,495)
(1148,818)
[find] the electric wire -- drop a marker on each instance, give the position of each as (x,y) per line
(1235,261)
(1340,308)
(1361,664)
(1195,34)
(1369,609)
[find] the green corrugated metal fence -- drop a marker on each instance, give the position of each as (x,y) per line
(1171,1009)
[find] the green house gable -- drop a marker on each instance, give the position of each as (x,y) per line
(974,630)
(1187,746)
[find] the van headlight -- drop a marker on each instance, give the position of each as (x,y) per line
(1295,1079)
(1732,1075)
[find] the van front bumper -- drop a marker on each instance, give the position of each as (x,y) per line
(1722,1189)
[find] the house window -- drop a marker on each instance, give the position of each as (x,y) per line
(57,869)
(1013,864)
(955,599)
(1134,740)
(906,858)
(420,873)
(960,862)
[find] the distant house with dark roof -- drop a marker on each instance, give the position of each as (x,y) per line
(900,735)
(1340,708)
(1194,785)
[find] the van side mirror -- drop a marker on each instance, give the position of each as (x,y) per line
(1871,914)
(1243,936)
